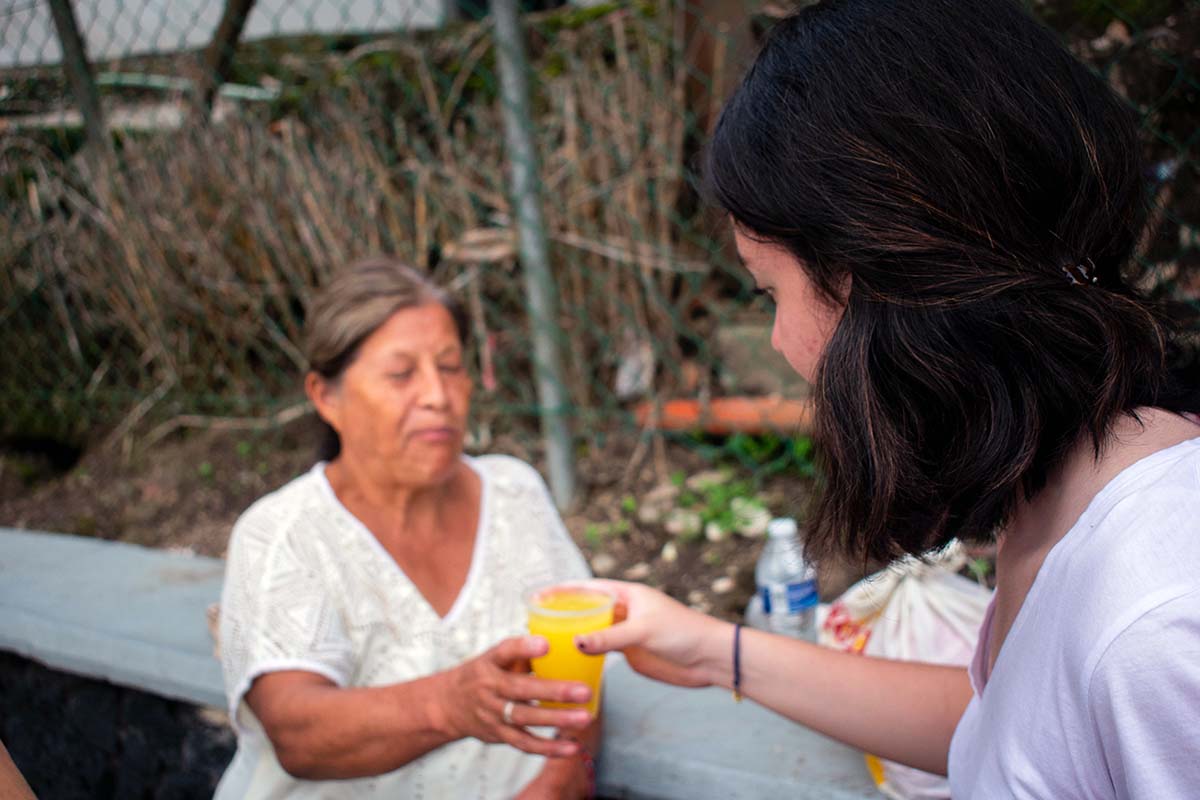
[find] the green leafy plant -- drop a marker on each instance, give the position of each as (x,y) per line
(802,455)
(769,454)
(980,568)
(595,533)
(721,505)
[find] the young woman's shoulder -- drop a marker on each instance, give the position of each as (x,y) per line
(1150,513)
(1136,549)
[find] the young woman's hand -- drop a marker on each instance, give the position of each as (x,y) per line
(660,637)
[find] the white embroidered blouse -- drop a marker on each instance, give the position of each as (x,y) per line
(308,587)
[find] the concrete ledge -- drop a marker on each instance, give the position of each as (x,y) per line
(681,744)
(136,617)
(130,615)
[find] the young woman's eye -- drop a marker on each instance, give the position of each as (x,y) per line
(451,368)
(401,375)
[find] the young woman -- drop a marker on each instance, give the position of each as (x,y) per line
(941,202)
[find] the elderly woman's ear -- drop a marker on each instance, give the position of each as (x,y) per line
(323,394)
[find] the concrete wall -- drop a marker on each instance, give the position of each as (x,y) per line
(135,617)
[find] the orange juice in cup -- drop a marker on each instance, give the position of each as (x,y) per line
(559,614)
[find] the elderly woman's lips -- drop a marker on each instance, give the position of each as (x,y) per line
(436,434)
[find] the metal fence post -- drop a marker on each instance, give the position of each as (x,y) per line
(540,292)
(218,56)
(79,73)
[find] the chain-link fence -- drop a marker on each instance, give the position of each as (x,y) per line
(158,279)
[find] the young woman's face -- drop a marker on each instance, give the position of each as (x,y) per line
(804,319)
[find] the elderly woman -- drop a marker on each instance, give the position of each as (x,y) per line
(367,603)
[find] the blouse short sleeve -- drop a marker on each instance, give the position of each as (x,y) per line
(277,610)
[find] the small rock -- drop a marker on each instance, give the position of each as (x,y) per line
(663,493)
(638,572)
(756,527)
(603,563)
(713,477)
(670,553)
(751,516)
(695,596)
(684,523)
(649,515)
(715,532)
(656,503)
(723,585)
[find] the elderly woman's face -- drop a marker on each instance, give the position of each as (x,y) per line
(401,406)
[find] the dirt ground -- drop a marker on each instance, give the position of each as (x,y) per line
(185,494)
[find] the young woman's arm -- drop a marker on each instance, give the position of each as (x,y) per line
(901,711)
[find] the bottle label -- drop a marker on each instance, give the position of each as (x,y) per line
(789,598)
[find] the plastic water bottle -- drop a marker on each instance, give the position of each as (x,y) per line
(787,584)
(755,616)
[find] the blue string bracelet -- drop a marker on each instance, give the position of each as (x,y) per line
(737,662)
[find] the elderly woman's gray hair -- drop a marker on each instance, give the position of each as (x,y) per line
(355,304)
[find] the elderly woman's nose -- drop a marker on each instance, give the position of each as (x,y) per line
(433,390)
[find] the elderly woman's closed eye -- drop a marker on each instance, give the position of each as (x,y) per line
(373,607)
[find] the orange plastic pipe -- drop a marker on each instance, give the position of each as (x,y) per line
(725,415)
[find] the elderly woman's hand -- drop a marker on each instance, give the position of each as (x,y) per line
(478,692)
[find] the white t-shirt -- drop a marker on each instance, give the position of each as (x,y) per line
(1096,690)
(308,587)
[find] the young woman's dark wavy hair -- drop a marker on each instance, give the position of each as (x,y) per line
(950,159)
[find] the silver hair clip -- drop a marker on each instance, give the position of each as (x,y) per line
(1081,274)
